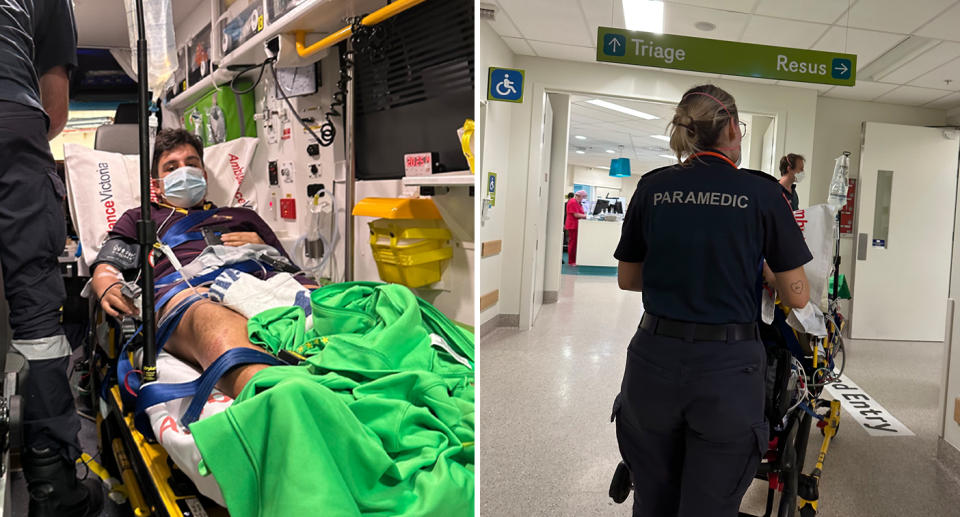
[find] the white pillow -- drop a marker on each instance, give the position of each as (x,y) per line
(101,186)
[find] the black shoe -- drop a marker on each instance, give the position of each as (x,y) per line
(54,489)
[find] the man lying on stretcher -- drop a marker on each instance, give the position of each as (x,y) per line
(207,329)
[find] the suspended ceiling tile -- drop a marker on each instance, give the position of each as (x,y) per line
(938,77)
(946,102)
(681,19)
(820,11)
(782,33)
(601,13)
(899,16)
(560,51)
(912,96)
(943,26)
(557,21)
(867,45)
(937,56)
(503,24)
(863,91)
(519,46)
(742,6)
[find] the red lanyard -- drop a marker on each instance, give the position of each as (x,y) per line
(718,155)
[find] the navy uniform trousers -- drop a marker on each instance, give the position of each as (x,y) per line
(32,235)
(690,424)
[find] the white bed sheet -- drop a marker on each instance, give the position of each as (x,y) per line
(176,439)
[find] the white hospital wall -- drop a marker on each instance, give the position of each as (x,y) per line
(496,127)
(558,175)
(795,108)
(838,129)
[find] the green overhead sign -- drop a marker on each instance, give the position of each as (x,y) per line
(725,57)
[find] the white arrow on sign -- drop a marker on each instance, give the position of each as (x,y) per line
(843,68)
(613,44)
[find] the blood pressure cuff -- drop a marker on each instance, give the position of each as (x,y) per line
(119,253)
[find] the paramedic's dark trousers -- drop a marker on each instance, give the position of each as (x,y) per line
(32,235)
(690,424)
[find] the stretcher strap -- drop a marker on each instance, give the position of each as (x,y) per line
(200,388)
(178,234)
(167,326)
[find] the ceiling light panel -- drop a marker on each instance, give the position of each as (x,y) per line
(937,56)
(622,109)
(643,15)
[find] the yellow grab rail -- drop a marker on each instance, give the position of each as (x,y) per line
(384,13)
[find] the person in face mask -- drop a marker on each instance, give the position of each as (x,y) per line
(207,329)
(791,173)
(690,413)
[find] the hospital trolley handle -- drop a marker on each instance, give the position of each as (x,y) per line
(146,227)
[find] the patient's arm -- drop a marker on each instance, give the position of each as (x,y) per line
(106,287)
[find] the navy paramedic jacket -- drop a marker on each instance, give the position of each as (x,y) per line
(701,231)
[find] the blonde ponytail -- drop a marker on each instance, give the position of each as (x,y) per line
(700,117)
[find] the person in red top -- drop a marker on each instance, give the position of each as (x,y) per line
(574,213)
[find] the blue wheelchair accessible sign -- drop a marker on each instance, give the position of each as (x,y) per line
(505,84)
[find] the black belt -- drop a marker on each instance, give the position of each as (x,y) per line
(698,331)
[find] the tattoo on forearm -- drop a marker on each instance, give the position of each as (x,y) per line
(797,287)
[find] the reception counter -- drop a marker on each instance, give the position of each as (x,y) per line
(596,242)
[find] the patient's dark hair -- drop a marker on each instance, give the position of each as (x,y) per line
(789,162)
(168,140)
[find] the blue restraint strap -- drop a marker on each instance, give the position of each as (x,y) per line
(178,234)
(156,393)
(124,366)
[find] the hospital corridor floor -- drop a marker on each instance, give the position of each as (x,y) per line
(549,447)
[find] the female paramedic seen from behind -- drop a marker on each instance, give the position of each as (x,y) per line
(690,414)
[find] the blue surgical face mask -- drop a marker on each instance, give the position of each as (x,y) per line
(185,187)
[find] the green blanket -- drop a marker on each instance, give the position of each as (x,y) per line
(379,419)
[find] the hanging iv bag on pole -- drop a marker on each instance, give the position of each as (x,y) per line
(838,184)
(161,42)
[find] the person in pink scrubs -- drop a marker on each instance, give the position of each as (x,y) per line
(574,213)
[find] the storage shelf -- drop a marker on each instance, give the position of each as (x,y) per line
(443,179)
(314,16)
(191,94)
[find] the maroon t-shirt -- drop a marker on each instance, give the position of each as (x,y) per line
(231,219)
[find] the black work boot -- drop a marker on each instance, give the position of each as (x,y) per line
(54,488)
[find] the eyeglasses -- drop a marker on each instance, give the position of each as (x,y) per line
(743,127)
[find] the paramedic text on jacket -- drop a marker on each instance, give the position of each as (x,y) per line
(690,414)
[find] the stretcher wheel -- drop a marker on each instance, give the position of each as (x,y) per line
(620,485)
(807,511)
